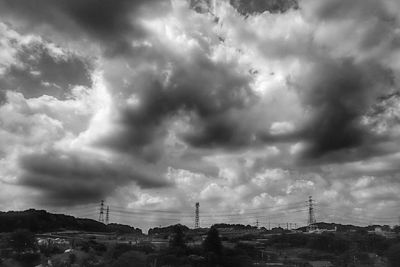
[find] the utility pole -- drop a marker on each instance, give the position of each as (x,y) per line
(101,214)
(197,216)
(311,215)
(107,214)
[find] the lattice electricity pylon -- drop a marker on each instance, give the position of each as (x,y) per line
(311,215)
(101,215)
(197,216)
(107,214)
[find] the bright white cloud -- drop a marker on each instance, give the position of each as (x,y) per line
(238,112)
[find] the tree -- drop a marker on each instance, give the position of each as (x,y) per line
(393,255)
(131,258)
(178,239)
(22,240)
(212,243)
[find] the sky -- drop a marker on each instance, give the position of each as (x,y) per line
(247,107)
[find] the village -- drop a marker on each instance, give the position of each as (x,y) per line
(220,245)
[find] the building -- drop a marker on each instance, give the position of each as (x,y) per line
(320,264)
(387,234)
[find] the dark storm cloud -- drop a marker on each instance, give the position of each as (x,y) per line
(247,7)
(209,95)
(338,93)
(37,72)
(377,18)
(67,178)
(383,114)
(225,130)
(3,97)
(108,21)
(357,9)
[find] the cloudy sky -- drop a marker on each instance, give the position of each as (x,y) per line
(247,107)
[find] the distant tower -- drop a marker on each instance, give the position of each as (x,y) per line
(197,216)
(107,214)
(311,216)
(257,224)
(101,215)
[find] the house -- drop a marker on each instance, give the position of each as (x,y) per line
(320,264)
(386,234)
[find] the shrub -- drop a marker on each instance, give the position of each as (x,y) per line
(21,240)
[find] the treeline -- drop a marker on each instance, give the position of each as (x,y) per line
(172,228)
(347,227)
(123,229)
(39,221)
(168,230)
(210,253)
(234,226)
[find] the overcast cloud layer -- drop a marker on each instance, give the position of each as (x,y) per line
(245,107)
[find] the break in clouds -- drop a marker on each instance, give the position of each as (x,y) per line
(160,104)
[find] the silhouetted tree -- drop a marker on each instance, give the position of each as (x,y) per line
(329,243)
(178,239)
(21,240)
(212,243)
(131,258)
(393,255)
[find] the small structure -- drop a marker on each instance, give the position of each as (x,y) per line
(54,242)
(387,234)
(320,264)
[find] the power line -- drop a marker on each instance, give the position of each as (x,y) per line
(189,214)
(232,216)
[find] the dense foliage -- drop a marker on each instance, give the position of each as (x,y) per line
(43,221)
(167,230)
(212,243)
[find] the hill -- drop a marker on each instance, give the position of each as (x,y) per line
(43,221)
(167,230)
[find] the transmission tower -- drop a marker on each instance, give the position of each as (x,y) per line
(101,215)
(311,216)
(197,216)
(107,214)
